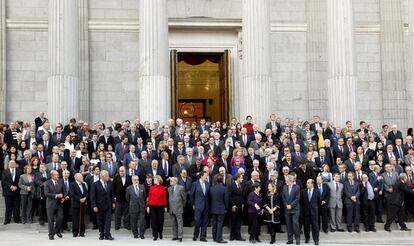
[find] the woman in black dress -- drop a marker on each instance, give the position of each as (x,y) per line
(254,202)
(271,213)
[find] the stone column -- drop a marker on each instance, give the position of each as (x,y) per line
(410,81)
(316,54)
(254,88)
(342,76)
(63,81)
(3,89)
(154,76)
(84,60)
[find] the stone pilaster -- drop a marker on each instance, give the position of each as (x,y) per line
(410,80)
(154,78)
(342,76)
(254,88)
(316,58)
(392,64)
(3,88)
(84,60)
(63,81)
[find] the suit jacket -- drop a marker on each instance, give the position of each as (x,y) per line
(108,141)
(352,190)
(293,199)
(388,181)
(137,204)
(7,181)
(132,138)
(310,207)
(119,188)
(399,191)
(199,199)
(176,169)
(101,198)
(77,194)
(24,184)
(335,196)
(91,148)
(118,151)
(235,196)
(325,193)
(392,136)
(51,201)
(127,158)
(115,168)
(74,166)
(55,141)
(219,199)
(227,182)
(177,199)
(248,140)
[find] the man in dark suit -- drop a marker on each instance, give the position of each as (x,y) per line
(145,131)
(396,202)
(106,139)
(235,191)
(136,197)
(224,161)
(11,192)
(79,194)
(58,137)
(200,200)
(316,123)
(54,199)
(290,197)
(244,138)
(74,162)
(310,200)
(219,204)
(394,134)
(352,194)
(103,201)
(121,182)
(93,145)
(323,190)
(368,204)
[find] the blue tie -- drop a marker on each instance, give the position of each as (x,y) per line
(110,170)
(309,195)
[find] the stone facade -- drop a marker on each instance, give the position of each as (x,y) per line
(298,48)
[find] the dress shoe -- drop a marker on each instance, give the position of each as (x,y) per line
(221,241)
(59,234)
(155,239)
(117,228)
(307,241)
(175,238)
(142,237)
(110,238)
(180,240)
(380,220)
(357,230)
(289,242)
(101,237)
(341,230)
(349,230)
(231,239)
(258,240)
(203,240)
(405,229)
(135,236)
(41,222)
(297,242)
(6,222)
(325,230)
(194,239)
(51,237)
(387,229)
(316,243)
(373,229)
(241,239)
(17,221)
(160,236)
(333,230)
(253,241)
(75,235)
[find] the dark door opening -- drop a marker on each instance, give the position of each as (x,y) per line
(200,86)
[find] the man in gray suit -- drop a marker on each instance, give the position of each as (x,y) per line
(110,166)
(136,197)
(54,200)
(389,177)
(335,203)
(180,165)
(54,164)
(291,196)
(177,198)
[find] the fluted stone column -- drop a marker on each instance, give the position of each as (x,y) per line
(84,60)
(342,76)
(63,81)
(254,88)
(410,81)
(154,77)
(3,85)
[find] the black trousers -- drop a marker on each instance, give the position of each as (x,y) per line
(78,221)
(188,215)
(12,207)
(368,211)
(235,224)
(40,208)
(104,222)
(54,219)
(323,216)
(311,222)
(200,223)
(352,214)
(122,213)
(395,211)
(157,220)
(254,226)
(217,227)
(66,214)
(379,205)
(92,214)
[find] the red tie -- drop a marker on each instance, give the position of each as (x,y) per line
(56,187)
(41,156)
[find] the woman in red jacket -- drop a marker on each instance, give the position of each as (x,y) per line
(157,201)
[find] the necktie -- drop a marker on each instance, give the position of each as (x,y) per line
(56,166)
(56,187)
(320,189)
(401,152)
(336,187)
(309,194)
(322,160)
(80,187)
(105,186)
(137,190)
(58,138)
(166,168)
(110,169)
(203,187)
(130,172)
(41,156)
(13,174)
(290,189)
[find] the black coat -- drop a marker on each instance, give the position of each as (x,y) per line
(76,194)
(101,198)
(271,201)
(119,189)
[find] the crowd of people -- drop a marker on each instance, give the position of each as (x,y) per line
(305,175)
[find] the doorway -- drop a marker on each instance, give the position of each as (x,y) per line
(201,86)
